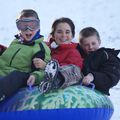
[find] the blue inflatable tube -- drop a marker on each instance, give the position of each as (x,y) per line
(72,103)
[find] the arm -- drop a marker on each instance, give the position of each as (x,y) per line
(39,63)
(106,71)
(39,73)
(103,82)
(109,74)
(94,61)
(88,79)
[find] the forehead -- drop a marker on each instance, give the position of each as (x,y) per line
(63,26)
(90,39)
(31,18)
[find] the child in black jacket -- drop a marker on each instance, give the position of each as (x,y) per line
(101,65)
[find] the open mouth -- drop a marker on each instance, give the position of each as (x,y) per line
(28,35)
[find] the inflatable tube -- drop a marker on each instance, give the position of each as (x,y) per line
(72,103)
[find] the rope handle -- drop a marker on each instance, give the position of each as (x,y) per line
(91,85)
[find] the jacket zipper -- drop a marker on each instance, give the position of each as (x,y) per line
(14,56)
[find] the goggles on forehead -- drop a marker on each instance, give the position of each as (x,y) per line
(26,23)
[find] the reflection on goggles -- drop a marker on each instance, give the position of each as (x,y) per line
(24,24)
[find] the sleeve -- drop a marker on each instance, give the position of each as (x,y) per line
(102,82)
(75,58)
(39,74)
(108,74)
(94,61)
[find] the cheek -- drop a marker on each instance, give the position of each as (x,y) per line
(69,37)
(95,47)
(22,33)
(34,32)
(56,36)
(85,48)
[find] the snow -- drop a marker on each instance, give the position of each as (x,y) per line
(101,14)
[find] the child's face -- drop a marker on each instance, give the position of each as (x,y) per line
(90,44)
(29,27)
(63,34)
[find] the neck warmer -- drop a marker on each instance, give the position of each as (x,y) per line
(21,39)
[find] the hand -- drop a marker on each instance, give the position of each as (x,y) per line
(88,79)
(39,63)
(31,80)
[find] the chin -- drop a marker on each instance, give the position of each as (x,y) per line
(27,40)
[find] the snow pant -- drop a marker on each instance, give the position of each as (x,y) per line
(11,83)
(67,75)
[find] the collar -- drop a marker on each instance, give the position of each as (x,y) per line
(29,43)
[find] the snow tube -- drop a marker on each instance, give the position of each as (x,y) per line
(72,103)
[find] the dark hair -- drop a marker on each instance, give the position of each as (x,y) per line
(87,32)
(28,13)
(63,20)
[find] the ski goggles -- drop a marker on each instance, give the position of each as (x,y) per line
(27,23)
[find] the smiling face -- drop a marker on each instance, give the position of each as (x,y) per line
(63,34)
(28,33)
(90,43)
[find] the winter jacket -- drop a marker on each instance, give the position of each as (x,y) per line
(2,49)
(18,56)
(67,54)
(105,67)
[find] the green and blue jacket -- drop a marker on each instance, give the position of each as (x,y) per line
(18,56)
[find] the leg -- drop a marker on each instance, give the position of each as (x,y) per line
(51,72)
(71,75)
(12,83)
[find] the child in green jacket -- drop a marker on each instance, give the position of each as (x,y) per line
(17,58)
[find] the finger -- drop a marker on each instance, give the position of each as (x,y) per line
(85,81)
(36,58)
(36,61)
(30,83)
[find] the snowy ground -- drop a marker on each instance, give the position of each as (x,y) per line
(101,14)
(115,97)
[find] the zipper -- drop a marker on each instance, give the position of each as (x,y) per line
(14,56)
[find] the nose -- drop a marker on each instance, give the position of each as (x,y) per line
(63,34)
(90,46)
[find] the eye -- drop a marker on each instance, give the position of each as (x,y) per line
(68,32)
(59,31)
(93,43)
(86,45)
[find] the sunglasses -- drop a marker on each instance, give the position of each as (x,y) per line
(27,23)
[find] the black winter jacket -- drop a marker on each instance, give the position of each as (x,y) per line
(105,67)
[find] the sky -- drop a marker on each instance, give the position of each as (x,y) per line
(101,14)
